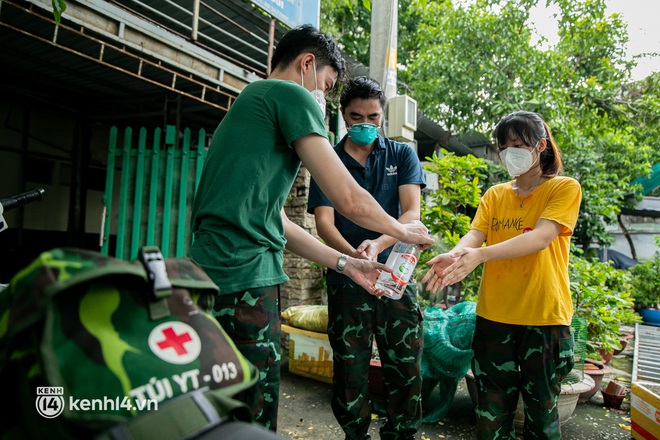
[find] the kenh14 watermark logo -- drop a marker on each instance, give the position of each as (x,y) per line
(50,403)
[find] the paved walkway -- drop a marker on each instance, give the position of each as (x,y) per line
(305,412)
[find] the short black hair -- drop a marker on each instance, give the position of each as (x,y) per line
(362,87)
(307,38)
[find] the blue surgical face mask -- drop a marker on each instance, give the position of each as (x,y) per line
(363,134)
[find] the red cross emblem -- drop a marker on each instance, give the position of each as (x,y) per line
(172,340)
(175,342)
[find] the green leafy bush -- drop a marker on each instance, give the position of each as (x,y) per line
(646,283)
(448,211)
(602,295)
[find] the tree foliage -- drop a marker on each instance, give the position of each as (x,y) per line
(470,62)
(602,296)
(349,21)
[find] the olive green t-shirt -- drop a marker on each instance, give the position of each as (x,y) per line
(248,173)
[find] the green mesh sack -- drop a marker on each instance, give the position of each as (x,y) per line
(446,356)
(437,396)
(448,340)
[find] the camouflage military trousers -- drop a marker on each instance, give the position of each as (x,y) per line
(252,320)
(515,359)
(355,317)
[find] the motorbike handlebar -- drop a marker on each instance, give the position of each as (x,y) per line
(19,200)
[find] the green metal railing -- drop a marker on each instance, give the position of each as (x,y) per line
(150,186)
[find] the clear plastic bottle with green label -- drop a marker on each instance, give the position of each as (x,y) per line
(402,260)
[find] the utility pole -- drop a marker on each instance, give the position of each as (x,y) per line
(383,47)
(401,121)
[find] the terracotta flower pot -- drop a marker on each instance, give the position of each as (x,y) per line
(613,394)
(606,355)
(623,343)
(623,340)
(596,370)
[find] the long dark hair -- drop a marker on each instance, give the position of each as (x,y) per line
(530,128)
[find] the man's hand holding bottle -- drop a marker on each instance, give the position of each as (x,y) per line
(417,234)
(419,239)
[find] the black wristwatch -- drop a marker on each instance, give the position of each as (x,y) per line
(341,263)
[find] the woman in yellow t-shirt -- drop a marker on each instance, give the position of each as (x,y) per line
(522,341)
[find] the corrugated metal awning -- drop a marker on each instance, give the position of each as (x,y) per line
(134,61)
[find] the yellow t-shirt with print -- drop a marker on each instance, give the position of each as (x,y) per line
(533,289)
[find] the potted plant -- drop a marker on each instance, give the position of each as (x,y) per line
(602,295)
(597,370)
(646,289)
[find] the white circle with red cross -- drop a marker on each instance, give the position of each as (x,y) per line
(175,342)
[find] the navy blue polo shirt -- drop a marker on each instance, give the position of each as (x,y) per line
(390,165)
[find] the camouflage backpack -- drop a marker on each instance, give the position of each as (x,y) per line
(92,346)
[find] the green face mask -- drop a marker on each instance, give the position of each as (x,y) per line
(363,134)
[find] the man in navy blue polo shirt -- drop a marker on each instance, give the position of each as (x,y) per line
(391,172)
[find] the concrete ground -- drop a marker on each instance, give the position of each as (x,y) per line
(305,411)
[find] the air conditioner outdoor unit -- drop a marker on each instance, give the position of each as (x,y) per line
(402,118)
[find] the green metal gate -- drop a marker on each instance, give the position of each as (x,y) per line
(149,190)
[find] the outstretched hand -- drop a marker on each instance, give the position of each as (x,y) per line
(365,273)
(451,268)
(435,274)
